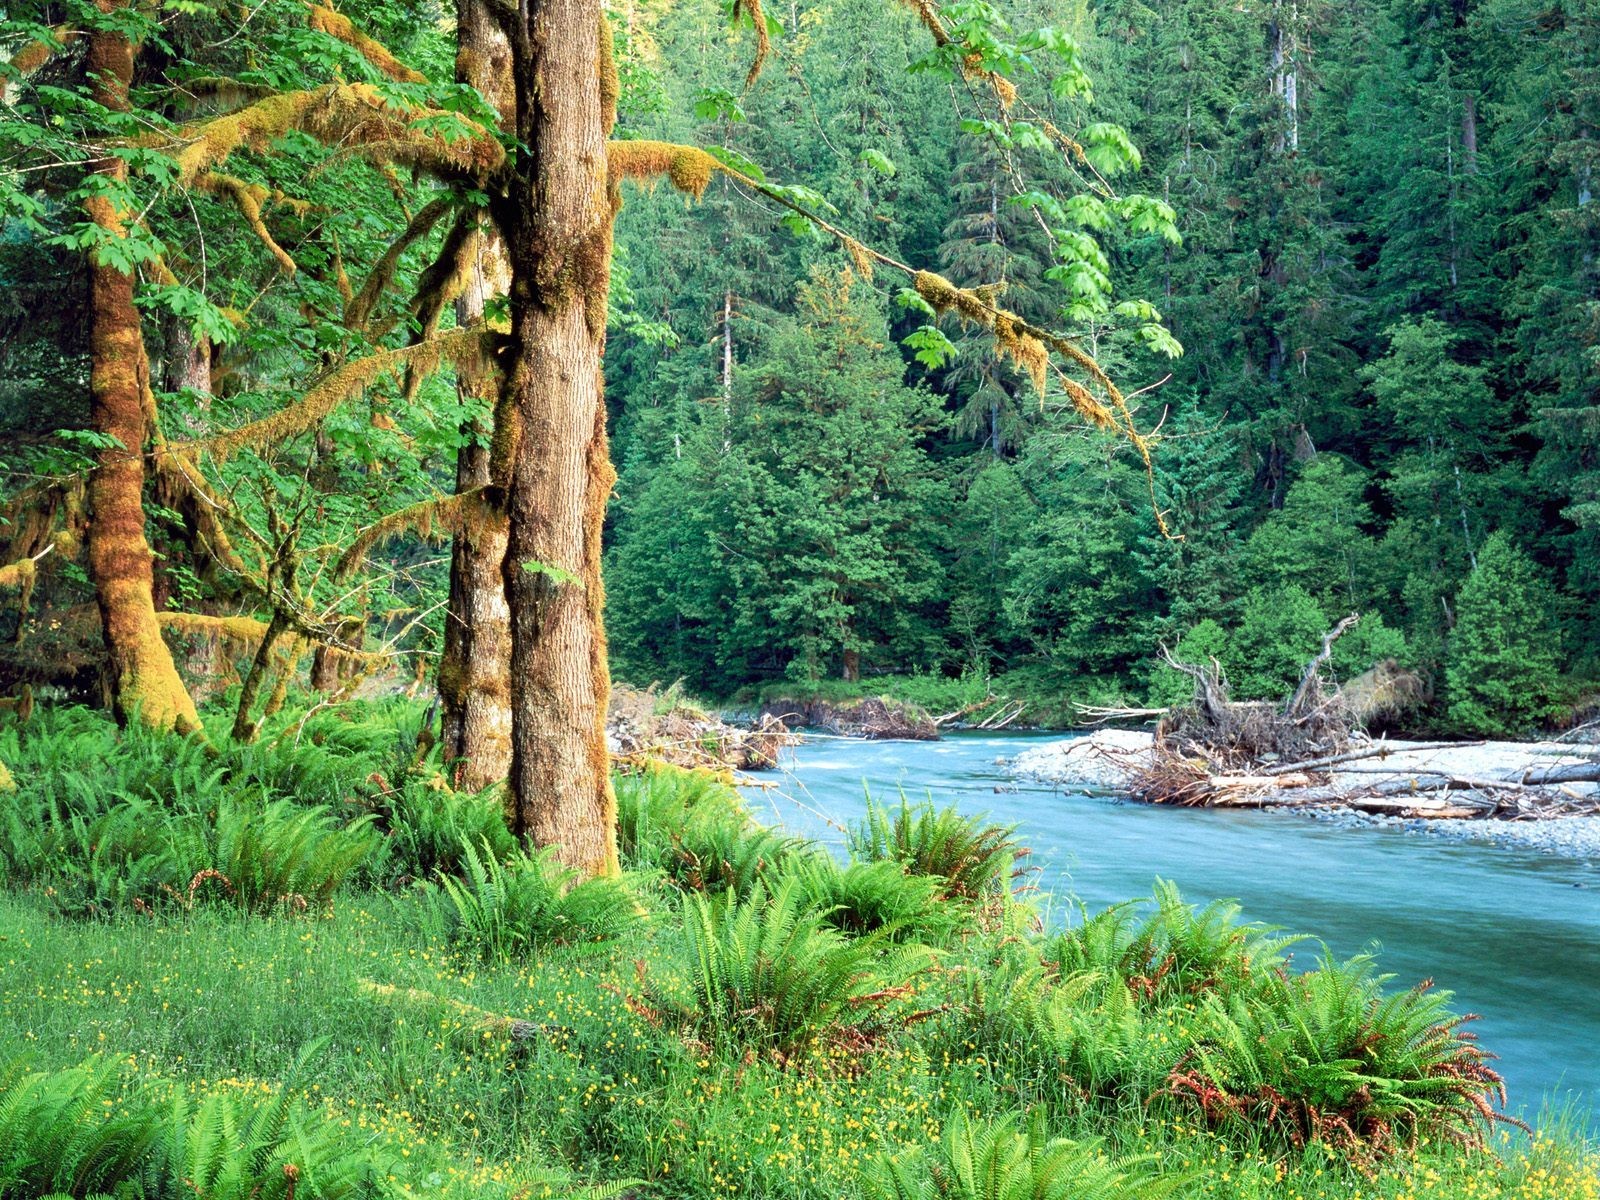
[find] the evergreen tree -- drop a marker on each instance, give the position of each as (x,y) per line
(1502,674)
(827,484)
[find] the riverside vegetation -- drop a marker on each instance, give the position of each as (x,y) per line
(307,968)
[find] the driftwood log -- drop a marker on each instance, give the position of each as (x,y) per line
(1304,752)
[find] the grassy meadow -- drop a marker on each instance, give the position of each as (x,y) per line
(305,968)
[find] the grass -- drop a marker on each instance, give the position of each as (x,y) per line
(423,1063)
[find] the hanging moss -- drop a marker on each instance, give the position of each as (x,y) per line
(248,199)
(428,519)
(860,256)
(336,25)
(19,574)
(354,118)
(242,632)
(345,383)
(687,168)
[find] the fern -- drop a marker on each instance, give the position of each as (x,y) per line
(973,859)
(768,970)
(873,897)
(693,828)
(997,1160)
(507,909)
(1173,952)
(1327,1056)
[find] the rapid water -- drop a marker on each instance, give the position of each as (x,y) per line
(1515,934)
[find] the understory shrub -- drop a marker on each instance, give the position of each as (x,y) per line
(1327,1056)
(972,858)
(768,970)
(874,897)
(91,1131)
(997,1160)
(692,827)
(503,909)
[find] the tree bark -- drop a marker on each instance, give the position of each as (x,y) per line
(557,219)
(475,667)
(144,681)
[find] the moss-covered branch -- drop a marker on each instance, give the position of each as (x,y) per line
(359,311)
(41,50)
(470,346)
(428,518)
(690,170)
(248,199)
(352,117)
(337,25)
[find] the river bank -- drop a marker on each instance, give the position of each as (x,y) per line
(1108,759)
(1514,932)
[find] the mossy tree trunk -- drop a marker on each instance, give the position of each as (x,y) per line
(557,218)
(475,669)
(144,679)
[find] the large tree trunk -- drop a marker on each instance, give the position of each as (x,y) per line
(475,668)
(557,221)
(144,681)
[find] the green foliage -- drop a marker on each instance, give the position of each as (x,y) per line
(769,971)
(974,860)
(95,1131)
(1325,1056)
(102,822)
(504,910)
(1503,654)
(692,827)
(1175,953)
(869,897)
(430,828)
(997,1160)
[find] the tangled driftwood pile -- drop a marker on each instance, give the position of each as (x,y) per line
(1310,751)
(663,727)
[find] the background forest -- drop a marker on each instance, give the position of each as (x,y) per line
(1387,293)
(1389,399)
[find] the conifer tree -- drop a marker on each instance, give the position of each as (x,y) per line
(1501,678)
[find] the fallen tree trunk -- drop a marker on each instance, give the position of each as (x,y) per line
(1376,750)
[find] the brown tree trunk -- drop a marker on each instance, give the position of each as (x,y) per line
(144,680)
(557,219)
(475,668)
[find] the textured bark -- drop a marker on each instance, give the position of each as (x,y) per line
(143,679)
(475,668)
(557,219)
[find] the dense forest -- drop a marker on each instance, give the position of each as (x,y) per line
(1342,256)
(1388,297)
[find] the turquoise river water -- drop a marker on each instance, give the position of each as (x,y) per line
(1514,933)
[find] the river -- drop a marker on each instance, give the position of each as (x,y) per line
(1515,934)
